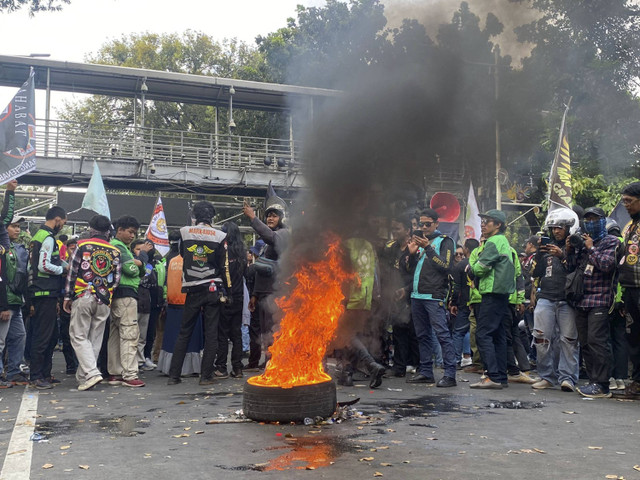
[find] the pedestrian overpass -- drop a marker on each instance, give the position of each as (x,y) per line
(135,157)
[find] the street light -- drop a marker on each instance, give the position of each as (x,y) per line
(143,89)
(232,124)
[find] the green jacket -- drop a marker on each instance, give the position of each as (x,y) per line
(131,273)
(517,297)
(494,266)
(363,261)
(474,294)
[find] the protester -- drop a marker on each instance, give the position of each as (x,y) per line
(554,326)
(629,270)
(93,275)
(46,282)
(207,282)
(496,273)
(595,260)
(430,262)
(396,285)
(123,328)
(230,326)
(275,235)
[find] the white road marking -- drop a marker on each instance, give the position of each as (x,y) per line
(17,462)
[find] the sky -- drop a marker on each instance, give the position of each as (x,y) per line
(83,26)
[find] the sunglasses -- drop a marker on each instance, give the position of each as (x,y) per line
(425,224)
(459,254)
(484,221)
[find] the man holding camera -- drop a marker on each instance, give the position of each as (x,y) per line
(595,260)
(554,324)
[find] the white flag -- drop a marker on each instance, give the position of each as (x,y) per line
(471,219)
(157,231)
(96,197)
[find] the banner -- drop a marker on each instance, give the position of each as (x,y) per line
(18,134)
(157,231)
(96,197)
(560,176)
(471,219)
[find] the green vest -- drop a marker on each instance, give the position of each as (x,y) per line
(363,260)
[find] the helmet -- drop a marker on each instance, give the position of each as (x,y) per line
(563,217)
(274,203)
(612,227)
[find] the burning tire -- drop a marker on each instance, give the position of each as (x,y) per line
(277,404)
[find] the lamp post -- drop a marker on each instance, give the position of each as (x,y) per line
(143,90)
(232,124)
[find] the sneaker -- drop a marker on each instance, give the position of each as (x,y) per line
(567,386)
(542,384)
(466,361)
(71,371)
(207,381)
(486,384)
(522,377)
(411,369)
(19,379)
(174,381)
(24,368)
(42,384)
(221,374)
(252,368)
(613,385)
(92,382)
(446,382)
(236,373)
(5,384)
(115,380)
(620,383)
(134,382)
(376,376)
(53,380)
(149,364)
(594,390)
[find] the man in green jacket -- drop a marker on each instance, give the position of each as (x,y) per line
(123,329)
(496,273)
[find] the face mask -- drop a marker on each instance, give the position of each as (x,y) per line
(596,229)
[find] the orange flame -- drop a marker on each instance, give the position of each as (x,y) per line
(310,319)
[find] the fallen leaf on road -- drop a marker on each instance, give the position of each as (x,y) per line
(84,467)
(384,447)
(47,465)
(378,474)
(187,428)
(366,459)
(636,467)
(199,432)
(615,477)
(594,448)
(569,412)
(181,435)
(64,447)
(463,452)
(17,451)
(406,461)
(539,451)
(387,464)
(309,467)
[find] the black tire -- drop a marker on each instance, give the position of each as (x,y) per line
(277,404)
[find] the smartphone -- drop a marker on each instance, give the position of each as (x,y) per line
(418,233)
(545,240)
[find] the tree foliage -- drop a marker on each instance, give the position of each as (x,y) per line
(34,6)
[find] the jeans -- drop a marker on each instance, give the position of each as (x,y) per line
(491,337)
(209,304)
(12,340)
(405,347)
(556,341)
(429,316)
(593,335)
(632,305)
(515,349)
(460,332)
(229,328)
(620,355)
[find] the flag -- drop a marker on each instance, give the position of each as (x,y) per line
(18,133)
(157,231)
(560,175)
(472,219)
(96,197)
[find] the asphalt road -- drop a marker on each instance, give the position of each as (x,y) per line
(398,431)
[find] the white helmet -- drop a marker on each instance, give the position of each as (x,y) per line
(563,217)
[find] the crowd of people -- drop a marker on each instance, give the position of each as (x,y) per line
(565,308)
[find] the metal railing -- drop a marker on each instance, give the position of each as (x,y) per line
(63,139)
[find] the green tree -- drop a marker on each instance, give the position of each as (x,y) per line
(191,53)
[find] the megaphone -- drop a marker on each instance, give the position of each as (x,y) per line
(447,206)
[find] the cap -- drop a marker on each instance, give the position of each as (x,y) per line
(497,215)
(533,240)
(17,219)
(595,211)
(257,248)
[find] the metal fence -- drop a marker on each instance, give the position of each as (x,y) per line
(62,139)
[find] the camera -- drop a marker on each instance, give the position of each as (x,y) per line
(576,240)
